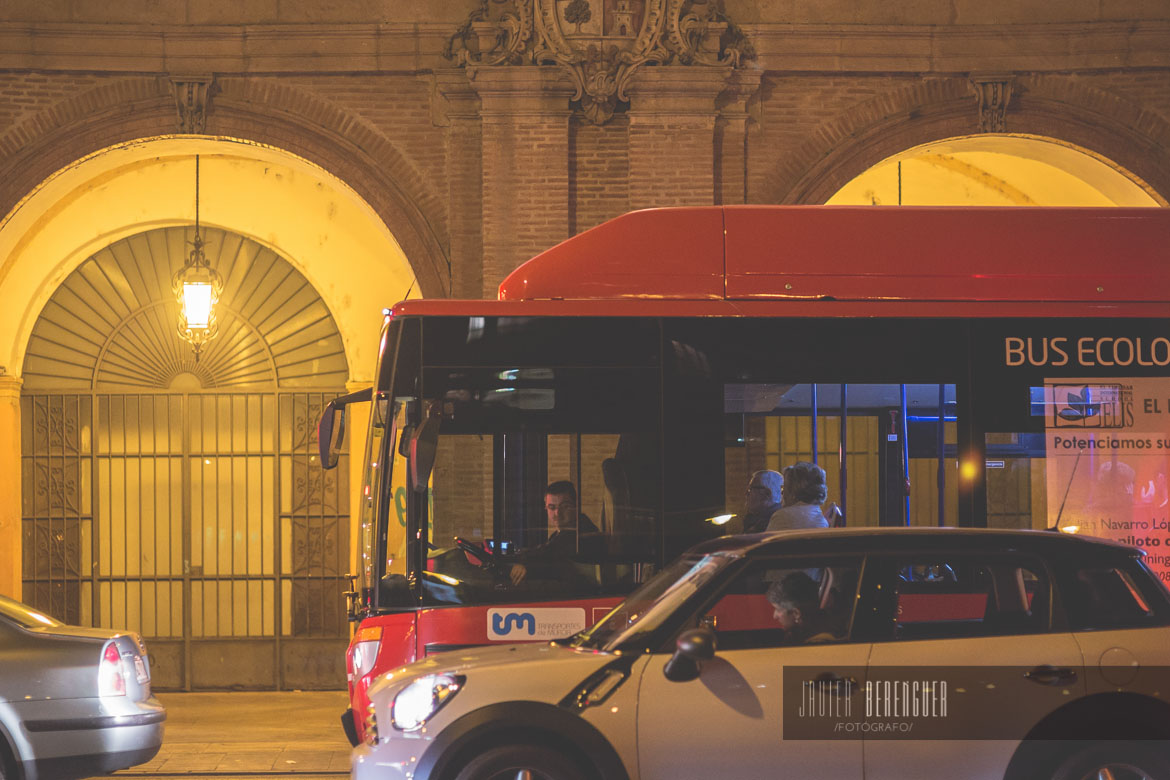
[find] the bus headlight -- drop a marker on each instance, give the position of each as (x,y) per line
(420,700)
(365,651)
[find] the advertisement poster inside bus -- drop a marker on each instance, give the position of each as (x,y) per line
(1108,461)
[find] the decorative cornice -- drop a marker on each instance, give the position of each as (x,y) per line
(838,42)
(599,47)
(191,97)
(993,92)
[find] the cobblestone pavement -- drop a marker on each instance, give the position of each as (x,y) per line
(220,734)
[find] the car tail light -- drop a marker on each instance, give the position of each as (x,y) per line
(365,650)
(111,672)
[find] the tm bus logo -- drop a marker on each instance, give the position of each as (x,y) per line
(503,624)
(534,623)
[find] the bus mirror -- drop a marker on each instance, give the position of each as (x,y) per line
(330,434)
(424,445)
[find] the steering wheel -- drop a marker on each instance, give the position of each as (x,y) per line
(482,554)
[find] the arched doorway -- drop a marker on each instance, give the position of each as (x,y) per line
(995,170)
(181,498)
(261,196)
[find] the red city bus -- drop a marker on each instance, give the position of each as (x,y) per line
(945,366)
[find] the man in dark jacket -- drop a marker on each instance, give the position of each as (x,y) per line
(763,498)
(572,535)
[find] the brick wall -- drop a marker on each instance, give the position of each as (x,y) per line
(477,170)
(599,172)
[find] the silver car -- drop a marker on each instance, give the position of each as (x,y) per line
(74,702)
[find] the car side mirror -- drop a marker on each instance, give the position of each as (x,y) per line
(691,649)
(330,434)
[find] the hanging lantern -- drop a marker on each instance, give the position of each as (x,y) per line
(197,288)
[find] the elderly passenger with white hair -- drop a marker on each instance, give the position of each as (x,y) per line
(803,493)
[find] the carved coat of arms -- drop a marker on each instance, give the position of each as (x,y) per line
(600,43)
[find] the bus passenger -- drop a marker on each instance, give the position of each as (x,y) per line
(571,534)
(803,493)
(796,601)
(763,498)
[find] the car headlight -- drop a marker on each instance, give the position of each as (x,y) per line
(417,702)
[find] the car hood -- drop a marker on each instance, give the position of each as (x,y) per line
(539,659)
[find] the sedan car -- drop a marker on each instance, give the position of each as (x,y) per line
(74,702)
(872,654)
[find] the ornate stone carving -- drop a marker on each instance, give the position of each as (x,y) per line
(191,96)
(599,43)
(499,32)
(993,92)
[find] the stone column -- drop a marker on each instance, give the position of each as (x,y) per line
(672,135)
(731,137)
(460,114)
(10,481)
(525,136)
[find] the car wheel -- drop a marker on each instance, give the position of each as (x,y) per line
(521,762)
(7,762)
(1117,760)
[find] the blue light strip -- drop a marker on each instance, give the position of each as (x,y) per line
(905,456)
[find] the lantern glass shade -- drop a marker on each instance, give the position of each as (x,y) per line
(197,289)
(197,303)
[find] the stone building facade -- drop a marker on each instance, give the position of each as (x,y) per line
(462,137)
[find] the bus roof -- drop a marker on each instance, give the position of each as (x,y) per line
(858,253)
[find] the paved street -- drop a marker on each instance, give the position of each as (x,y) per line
(225,734)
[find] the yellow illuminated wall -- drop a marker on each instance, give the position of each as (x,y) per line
(995,170)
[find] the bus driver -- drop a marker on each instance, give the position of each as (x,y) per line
(571,534)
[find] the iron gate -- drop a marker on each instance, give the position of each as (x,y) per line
(201,520)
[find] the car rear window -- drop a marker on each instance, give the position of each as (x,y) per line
(1106,597)
(24,615)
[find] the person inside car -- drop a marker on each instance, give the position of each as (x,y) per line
(796,601)
(572,535)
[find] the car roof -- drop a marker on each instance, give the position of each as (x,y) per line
(896,539)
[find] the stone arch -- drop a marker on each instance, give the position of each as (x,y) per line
(135,108)
(1046,106)
(274,198)
(873,130)
(347,147)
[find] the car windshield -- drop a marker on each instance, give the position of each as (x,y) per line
(653,603)
(24,615)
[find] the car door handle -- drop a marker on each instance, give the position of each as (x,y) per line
(1051,675)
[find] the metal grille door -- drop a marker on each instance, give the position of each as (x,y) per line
(200,520)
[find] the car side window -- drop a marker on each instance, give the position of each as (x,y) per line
(785,602)
(943,597)
(1105,597)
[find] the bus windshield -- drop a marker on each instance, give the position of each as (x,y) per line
(540,451)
